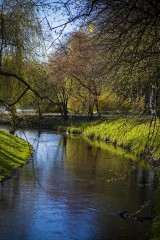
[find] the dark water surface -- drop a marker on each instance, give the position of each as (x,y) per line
(74,191)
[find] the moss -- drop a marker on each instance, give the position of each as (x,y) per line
(14,152)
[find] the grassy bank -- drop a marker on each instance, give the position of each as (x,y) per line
(141,136)
(137,135)
(14,152)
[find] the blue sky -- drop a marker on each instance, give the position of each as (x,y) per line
(54,21)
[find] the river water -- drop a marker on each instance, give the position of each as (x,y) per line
(73,190)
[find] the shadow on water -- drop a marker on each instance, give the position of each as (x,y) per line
(75,190)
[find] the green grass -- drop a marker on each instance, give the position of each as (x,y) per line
(141,136)
(14,152)
(130,134)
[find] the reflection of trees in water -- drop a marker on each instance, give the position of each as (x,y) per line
(45,158)
(83,163)
(86,166)
(81,155)
(73,175)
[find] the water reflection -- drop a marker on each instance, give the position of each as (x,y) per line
(74,190)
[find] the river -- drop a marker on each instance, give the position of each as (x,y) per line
(73,190)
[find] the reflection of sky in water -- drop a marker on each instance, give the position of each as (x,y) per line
(71,191)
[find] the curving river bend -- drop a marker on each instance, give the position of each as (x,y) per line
(73,190)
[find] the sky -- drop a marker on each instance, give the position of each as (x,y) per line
(54,21)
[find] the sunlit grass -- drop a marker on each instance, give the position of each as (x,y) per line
(137,135)
(14,152)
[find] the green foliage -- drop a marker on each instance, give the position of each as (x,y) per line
(14,152)
(19,35)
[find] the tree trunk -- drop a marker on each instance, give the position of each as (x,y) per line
(90,112)
(13,120)
(97,106)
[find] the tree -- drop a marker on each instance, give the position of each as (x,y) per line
(18,30)
(128,34)
(60,79)
(85,65)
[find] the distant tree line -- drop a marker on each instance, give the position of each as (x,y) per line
(108,63)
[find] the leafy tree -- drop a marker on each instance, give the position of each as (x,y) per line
(85,65)
(60,79)
(18,31)
(127,32)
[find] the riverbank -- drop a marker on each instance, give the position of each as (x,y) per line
(138,135)
(14,153)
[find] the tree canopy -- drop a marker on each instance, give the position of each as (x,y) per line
(113,50)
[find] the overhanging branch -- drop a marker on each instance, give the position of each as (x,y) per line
(8,74)
(19,98)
